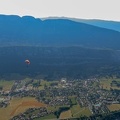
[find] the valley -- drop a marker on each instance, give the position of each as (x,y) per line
(59,69)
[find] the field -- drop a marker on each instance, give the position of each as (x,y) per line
(45,83)
(53,108)
(18,105)
(73,100)
(48,117)
(6,84)
(106,83)
(65,114)
(77,111)
(114,107)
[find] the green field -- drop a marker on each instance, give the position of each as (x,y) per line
(53,108)
(6,84)
(45,83)
(65,114)
(51,116)
(77,111)
(73,100)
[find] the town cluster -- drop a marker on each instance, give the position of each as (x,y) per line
(87,93)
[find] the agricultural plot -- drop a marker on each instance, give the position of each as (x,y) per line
(47,83)
(53,108)
(18,105)
(73,100)
(65,115)
(51,117)
(6,84)
(77,111)
(114,107)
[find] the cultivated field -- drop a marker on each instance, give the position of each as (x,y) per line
(6,84)
(18,105)
(65,114)
(48,117)
(77,111)
(114,107)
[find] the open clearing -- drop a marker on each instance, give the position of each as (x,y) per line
(18,105)
(114,107)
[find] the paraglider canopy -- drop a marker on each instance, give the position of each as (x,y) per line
(27,62)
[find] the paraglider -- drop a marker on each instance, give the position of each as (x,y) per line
(27,62)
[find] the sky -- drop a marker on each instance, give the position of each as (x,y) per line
(85,9)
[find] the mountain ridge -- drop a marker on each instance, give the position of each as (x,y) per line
(27,30)
(57,48)
(108,24)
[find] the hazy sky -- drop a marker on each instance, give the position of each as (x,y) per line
(90,9)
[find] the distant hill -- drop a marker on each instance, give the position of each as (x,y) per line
(113,25)
(28,31)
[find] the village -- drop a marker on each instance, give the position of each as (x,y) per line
(89,93)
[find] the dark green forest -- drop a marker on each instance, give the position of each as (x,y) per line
(56,62)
